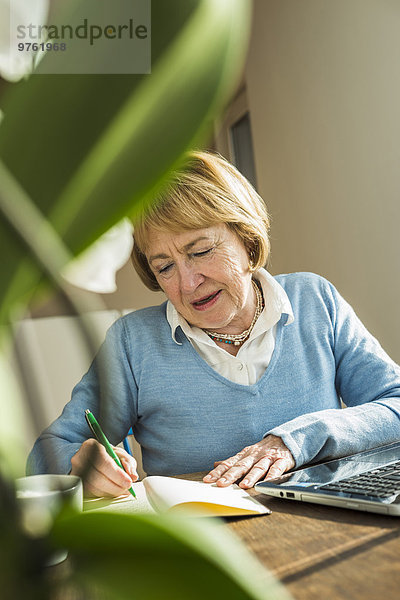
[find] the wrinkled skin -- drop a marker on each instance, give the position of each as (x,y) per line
(192,265)
(266,459)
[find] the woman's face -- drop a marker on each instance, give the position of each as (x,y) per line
(205,274)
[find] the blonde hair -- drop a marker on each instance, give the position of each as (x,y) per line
(207,191)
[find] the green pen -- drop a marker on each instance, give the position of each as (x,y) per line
(100,437)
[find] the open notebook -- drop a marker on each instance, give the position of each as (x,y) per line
(161,494)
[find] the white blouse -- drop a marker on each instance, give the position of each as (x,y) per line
(255,354)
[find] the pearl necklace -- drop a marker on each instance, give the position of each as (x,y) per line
(239,338)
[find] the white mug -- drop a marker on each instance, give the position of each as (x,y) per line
(41,497)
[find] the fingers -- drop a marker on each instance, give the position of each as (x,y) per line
(128,462)
(101,475)
(265,467)
(257,472)
(279,467)
(97,483)
(268,458)
(229,468)
(224,475)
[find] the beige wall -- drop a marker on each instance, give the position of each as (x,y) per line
(323,86)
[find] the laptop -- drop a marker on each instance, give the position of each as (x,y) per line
(368,481)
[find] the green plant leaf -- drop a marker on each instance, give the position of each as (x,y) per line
(13,422)
(89,149)
(153,557)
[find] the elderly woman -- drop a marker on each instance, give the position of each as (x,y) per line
(239,373)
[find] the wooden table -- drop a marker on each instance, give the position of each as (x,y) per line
(317,552)
(324,553)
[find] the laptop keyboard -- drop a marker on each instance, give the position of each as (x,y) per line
(379,483)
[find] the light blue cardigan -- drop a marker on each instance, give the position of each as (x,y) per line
(186,416)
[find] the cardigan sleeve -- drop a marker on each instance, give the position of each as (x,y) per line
(108,389)
(367,381)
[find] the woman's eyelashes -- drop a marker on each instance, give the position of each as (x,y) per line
(203,252)
(163,270)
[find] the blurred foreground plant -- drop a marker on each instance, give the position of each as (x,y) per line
(77,154)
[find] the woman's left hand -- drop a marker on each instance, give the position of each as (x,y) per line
(266,459)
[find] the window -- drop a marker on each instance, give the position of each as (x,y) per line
(242,148)
(233,137)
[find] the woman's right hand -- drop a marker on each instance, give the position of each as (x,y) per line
(100,474)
